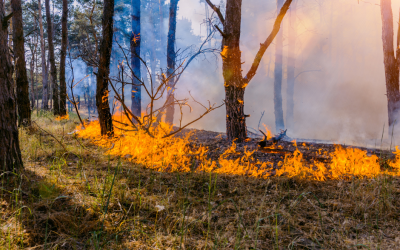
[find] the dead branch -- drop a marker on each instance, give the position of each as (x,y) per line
(217,10)
(72,92)
(62,145)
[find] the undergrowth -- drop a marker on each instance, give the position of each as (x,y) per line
(73,194)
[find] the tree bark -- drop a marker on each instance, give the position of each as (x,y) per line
(278,74)
(53,69)
(232,72)
(10,153)
(291,66)
(171,58)
(45,100)
(136,95)
(24,109)
(32,65)
(390,62)
(102,103)
(64,41)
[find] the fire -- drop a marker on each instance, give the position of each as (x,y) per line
(64,117)
(353,162)
(161,154)
(174,154)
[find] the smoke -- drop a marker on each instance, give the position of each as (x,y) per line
(340,86)
(343,99)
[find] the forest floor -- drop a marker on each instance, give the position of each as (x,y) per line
(73,195)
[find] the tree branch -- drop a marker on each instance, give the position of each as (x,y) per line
(217,10)
(265,45)
(220,31)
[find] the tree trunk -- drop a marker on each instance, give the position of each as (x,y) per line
(32,65)
(53,69)
(10,153)
(103,107)
(279,122)
(64,40)
(390,62)
(136,96)
(24,109)
(171,58)
(232,72)
(45,102)
(291,66)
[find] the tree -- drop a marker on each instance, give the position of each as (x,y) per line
(53,69)
(171,60)
(135,59)
(102,103)
(391,61)
(45,92)
(278,75)
(291,66)
(10,153)
(235,84)
(64,40)
(24,109)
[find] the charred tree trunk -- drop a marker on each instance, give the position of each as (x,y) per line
(53,69)
(103,107)
(391,62)
(24,109)
(278,74)
(135,59)
(64,40)
(291,66)
(171,58)
(45,102)
(10,153)
(232,72)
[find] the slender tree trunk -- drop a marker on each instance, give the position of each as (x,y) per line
(24,109)
(64,39)
(103,107)
(278,74)
(391,62)
(36,78)
(291,66)
(32,65)
(171,58)
(136,96)
(45,102)
(10,153)
(53,69)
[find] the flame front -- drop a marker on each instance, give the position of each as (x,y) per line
(176,154)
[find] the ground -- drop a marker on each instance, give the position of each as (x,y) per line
(73,195)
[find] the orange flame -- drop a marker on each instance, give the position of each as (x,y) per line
(174,154)
(64,117)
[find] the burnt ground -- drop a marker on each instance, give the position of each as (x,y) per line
(318,151)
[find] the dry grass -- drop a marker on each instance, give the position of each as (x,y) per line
(84,198)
